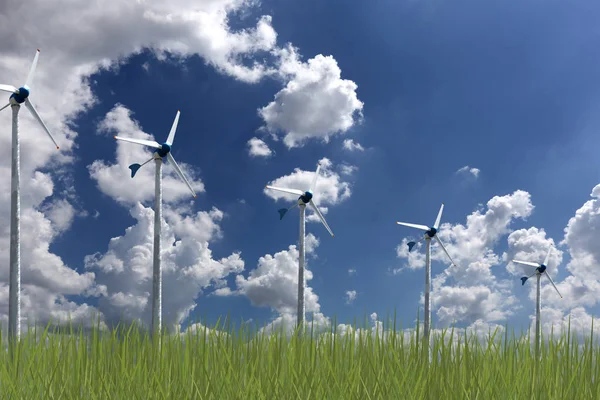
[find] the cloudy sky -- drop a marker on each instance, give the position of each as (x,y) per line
(490,107)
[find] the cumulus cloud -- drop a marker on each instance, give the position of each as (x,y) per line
(316,102)
(582,286)
(466,170)
(125,269)
(351,145)
(350,296)
(258,148)
(115,179)
(347,169)
(274,284)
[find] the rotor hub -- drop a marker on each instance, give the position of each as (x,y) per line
(306,197)
(541,269)
(164,150)
(21,96)
(431,232)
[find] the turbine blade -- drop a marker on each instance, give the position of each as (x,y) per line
(8,88)
(284,190)
(439,217)
(142,142)
(180,172)
(34,112)
(548,276)
(314,206)
(32,69)
(524,279)
(531,264)
(171,137)
(445,251)
(547,257)
(421,227)
(4,107)
(314,181)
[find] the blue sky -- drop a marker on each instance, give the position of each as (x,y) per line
(507,89)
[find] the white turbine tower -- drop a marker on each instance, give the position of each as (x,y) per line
(540,269)
(430,233)
(304,199)
(162,150)
(18,97)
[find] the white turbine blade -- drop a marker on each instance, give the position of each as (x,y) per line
(291,191)
(445,251)
(546,273)
(314,206)
(33,111)
(439,217)
(173,129)
(547,257)
(8,88)
(148,143)
(314,181)
(180,172)
(4,107)
(531,264)
(421,227)
(32,69)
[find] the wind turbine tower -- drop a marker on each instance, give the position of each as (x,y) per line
(540,269)
(17,97)
(161,151)
(430,233)
(306,197)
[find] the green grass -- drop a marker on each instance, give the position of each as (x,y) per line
(64,363)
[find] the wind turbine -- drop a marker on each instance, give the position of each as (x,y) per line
(306,197)
(540,269)
(162,150)
(18,96)
(430,233)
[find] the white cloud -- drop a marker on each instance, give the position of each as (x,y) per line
(468,170)
(258,148)
(352,271)
(187,262)
(347,169)
(351,145)
(350,296)
(316,102)
(274,282)
(115,179)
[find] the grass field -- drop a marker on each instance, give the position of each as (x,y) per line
(243,364)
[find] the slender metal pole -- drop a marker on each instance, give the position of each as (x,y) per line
(14,291)
(301,281)
(537,320)
(427,311)
(157,271)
